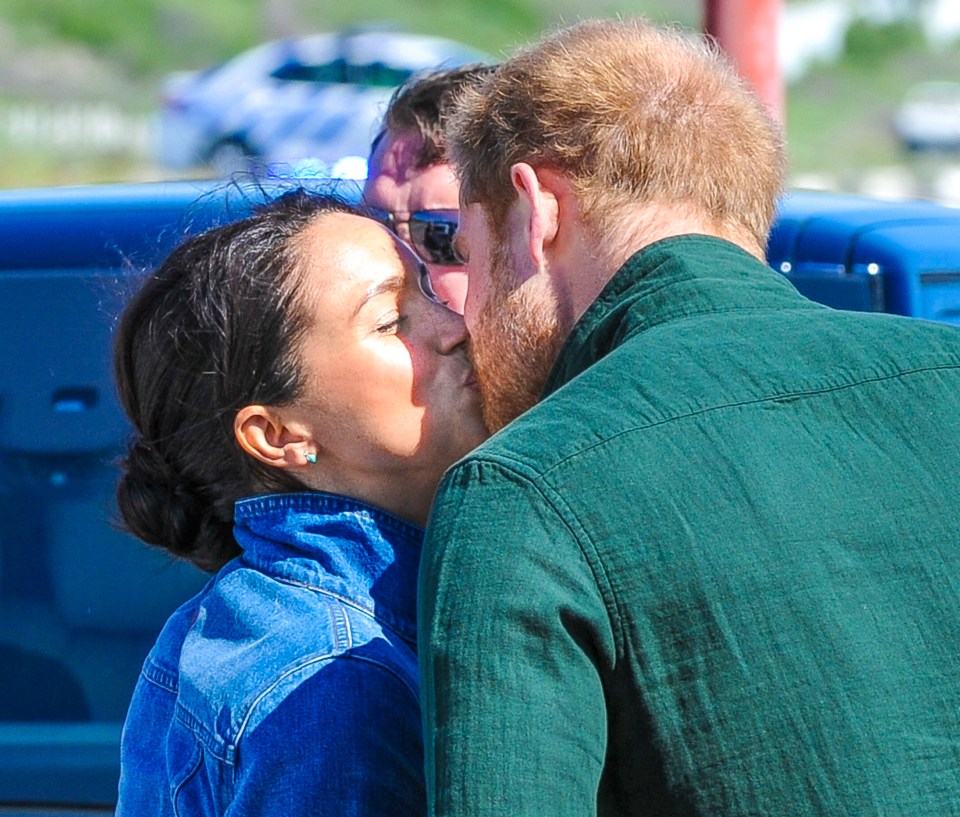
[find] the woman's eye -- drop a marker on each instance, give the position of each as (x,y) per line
(390,326)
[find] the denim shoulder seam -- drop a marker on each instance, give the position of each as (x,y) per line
(346,601)
(188,772)
(373,616)
(224,748)
(344,641)
(160,676)
(413,689)
(345,656)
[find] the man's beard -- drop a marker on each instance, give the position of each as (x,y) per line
(516,340)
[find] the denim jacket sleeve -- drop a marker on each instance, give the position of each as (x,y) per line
(346,742)
(514,639)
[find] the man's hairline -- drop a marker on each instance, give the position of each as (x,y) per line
(388,133)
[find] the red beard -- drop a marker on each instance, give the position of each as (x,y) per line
(515,342)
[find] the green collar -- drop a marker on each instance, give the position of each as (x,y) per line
(669,280)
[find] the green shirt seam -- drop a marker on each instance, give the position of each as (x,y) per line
(786,395)
(579,533)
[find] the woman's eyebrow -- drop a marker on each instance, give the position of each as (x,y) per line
(393,284)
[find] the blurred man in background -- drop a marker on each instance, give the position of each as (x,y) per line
(411,185)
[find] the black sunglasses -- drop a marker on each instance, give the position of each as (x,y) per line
(431,233)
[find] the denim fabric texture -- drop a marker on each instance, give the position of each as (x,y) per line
(289,685)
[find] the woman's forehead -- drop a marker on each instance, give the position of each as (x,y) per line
(342,239)
(343,252)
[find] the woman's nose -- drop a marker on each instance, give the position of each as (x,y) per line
(450,327)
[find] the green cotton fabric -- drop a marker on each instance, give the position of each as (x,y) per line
(716,571)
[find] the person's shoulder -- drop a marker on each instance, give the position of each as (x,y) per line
(370,676)
(913,332)
(349,734)
(527,446)
(254,640)
(161,666)
(870,346)
(358,705)
(575,417)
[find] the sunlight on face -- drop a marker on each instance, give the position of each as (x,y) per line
(515,332)
(390,387)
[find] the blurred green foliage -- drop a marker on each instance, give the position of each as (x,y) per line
(838,115)
(144,37)
(868,45)
(149,37)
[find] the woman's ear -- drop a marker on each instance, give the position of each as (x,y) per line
(538,206)
(265,434)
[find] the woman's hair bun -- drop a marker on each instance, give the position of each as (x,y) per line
(159,506)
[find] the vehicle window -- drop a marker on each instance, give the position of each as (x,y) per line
(377,75)
(335,71)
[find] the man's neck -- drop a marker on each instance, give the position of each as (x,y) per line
(597,254)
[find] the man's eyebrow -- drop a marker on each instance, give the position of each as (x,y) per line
(392,284)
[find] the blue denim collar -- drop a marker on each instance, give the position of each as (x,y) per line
(363,555)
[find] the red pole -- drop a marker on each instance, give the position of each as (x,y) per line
(747,31)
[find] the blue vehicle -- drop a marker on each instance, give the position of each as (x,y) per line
(852,252)
(81,602)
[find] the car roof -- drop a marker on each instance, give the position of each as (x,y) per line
(115,225)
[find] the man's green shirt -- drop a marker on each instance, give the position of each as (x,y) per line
(716,571)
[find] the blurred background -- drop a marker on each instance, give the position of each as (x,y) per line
(105,90)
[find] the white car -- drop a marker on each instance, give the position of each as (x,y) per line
(316,98)
(929,117)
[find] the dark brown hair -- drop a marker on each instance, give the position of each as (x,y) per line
(214,328)
(422,104)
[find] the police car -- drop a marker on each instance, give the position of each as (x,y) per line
(316,98)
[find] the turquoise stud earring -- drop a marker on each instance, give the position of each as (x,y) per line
(312,458)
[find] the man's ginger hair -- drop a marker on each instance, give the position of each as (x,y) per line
(629,113)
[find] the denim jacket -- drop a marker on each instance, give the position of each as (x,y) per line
(289,685)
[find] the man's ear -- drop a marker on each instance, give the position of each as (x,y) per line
(264,433)
(538,207)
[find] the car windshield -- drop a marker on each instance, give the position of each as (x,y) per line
(375,74)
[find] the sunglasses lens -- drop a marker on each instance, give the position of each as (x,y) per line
(432,234)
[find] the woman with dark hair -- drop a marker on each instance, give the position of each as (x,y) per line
(296,393)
